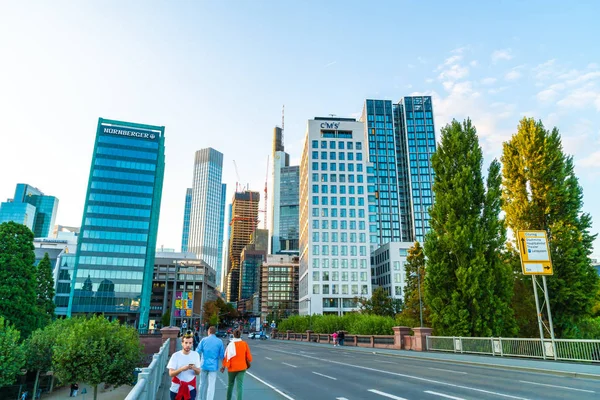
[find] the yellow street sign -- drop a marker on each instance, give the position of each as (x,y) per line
(535,253)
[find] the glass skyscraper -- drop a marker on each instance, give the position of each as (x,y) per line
(116,247)
(186,220)
(31,208)
(207,209)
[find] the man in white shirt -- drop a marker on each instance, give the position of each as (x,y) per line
(183,367)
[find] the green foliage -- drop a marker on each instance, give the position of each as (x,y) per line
(296,323)
(586,328)
(39,346)
(165,320)
(223,311)
(372,325)
(468,285)
(95,350)
(11,353)
(542,192)
(380,303)
(17,278)
(45,291)
(414,266)
(353,323)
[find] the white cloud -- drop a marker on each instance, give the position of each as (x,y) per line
(593,160)
(497,90)
(512,75)
(545,70)
(488,81)
(421,60)
(581,98)
(460,50)
(450,61)
(455,72)
(501,55)
(429,80)
(474,63)
(546,95)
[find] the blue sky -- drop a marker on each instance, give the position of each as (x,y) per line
(217,74)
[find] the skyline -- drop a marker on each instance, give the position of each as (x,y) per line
(215,75)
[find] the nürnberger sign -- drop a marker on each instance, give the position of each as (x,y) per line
(129,133)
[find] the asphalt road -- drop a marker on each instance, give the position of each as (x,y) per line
(301,372)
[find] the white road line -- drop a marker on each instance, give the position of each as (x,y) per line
(384,394)
(444,395)
(418,378)
(269,358)
(449,370)
(269,385)
(326,376)
(386,362)
(341,398)
(560,387)
(293,366)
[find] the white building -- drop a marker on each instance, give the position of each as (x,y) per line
(387,267)
(334,248)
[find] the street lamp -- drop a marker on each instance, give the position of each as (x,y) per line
(419,289)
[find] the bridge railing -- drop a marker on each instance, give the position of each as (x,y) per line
(560,349)
(150,378)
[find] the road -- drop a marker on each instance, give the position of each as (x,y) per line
(302,372)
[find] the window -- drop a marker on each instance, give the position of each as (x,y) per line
(315,166)
(315,144)
(315,289)
(325,263)
(315,155)
(315,276)
(325,289)
(325,276)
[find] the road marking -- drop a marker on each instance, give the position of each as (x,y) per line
(290,365)
(560,387)
(326,376)
(384,394)
(269,358)
(444,395)
(418,378)
(269,385)
(387,362)
(448,370)
(341,398)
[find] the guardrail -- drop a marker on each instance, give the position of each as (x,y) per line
(561,349)
(150,378)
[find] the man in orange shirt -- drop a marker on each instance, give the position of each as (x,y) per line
(237,360)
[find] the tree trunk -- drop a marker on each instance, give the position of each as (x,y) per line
(35,386)
(95,392)
(51,384)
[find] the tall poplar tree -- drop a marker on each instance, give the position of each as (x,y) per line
(542,192)
(468,284)
(17,278)
(415,266)
(45,291)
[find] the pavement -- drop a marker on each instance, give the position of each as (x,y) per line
(112,394)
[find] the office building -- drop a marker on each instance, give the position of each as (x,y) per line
(31,208)
(225,266)
(187,209)
(116,246)
(387,268)
(251,259)
(244,220)
(285,200)
(334,250)
(279,287)
(207,209)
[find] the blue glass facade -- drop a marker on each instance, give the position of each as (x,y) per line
(116,246)
(32,208)
(219,267)
(186,220)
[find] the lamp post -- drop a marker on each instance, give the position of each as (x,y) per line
(309,313)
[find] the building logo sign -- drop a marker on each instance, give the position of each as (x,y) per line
(330,125)
(129,133)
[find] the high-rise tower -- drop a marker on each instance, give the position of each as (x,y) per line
(31,208)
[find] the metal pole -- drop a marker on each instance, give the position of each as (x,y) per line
(420,301)
(173,295)
(539,315)
(202,299)
(549,316)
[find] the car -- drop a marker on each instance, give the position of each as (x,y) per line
(258,335)
(221,334)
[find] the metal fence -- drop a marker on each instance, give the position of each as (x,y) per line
(150,378)
(560,349)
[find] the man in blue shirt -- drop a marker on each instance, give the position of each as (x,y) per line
(211,350)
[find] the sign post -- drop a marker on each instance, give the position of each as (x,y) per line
(535,260)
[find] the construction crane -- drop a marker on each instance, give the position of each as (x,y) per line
(266,197)
(237,174)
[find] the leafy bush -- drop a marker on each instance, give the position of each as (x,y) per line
(353,323)
(588,328)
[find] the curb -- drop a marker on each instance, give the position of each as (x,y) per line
(472,363)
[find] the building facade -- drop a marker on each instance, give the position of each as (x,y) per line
(251,259)
(207,208)
(116,247)
(279,287)
(31,208)
(187,209)
(387,268)
(334,249)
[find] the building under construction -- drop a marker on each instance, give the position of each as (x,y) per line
(244,219)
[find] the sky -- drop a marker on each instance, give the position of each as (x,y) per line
(216,74)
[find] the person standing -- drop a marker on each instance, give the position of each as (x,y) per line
(211,350)
(335,338)
(237,360)
(183,367)
(341,337)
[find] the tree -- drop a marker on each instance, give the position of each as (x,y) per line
(45,291)
(166,319)
(415,273)
(11,353)
(17,277)
(380,303)
(468,285)
(541,192)
(95,350)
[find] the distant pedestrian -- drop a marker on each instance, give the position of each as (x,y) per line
(335,338)
(237,360)
(341,337)
(183,367)
(211,350)
(196,340)
(184,326)
(74,389)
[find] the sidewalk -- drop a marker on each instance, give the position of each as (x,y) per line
(573,370)
(112,394)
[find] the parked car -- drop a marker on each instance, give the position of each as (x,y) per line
(258,335)
(221,334)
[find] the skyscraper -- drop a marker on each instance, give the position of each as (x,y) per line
(185,236)
(334,250)
(244,220)
(207,209)
(285,199)
(31,208)
(116,247)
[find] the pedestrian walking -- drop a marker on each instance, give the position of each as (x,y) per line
(196,340)
(74,389)
(237,360)
(341,337)
(334,335)
(183,367)
(211,351)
